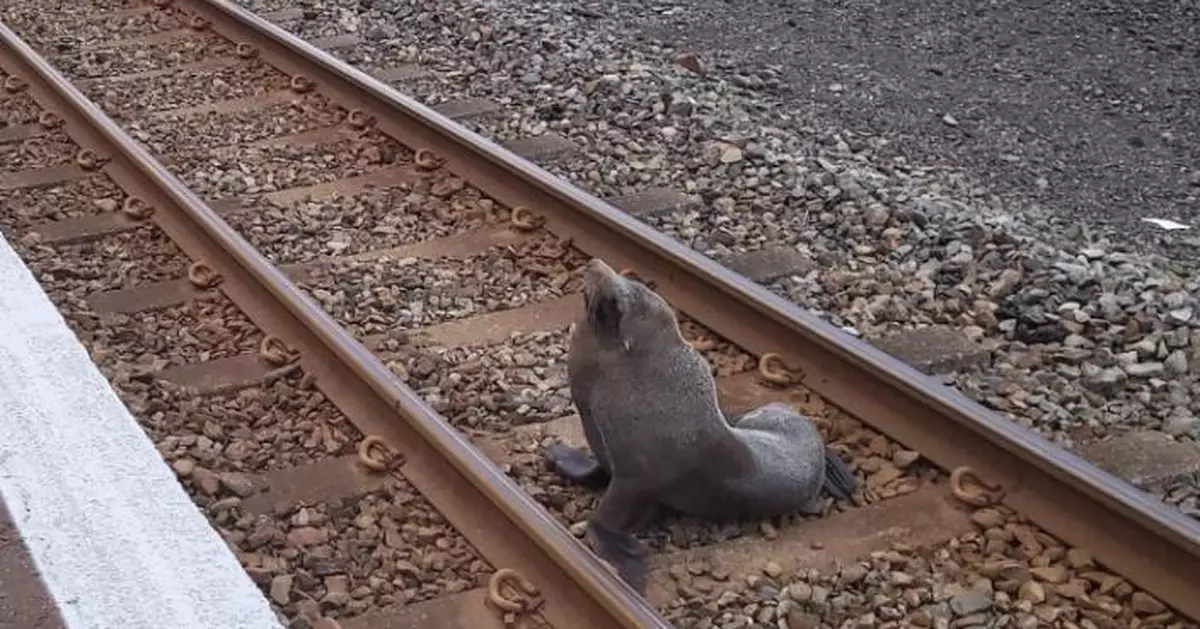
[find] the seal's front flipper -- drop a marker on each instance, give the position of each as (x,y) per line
(621,550)
(839,482)
(611,531)
(576,466)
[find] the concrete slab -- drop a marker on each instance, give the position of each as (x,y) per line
(321,481)
(934,349)
(333,42)
(1144,458)
(770,263)
(464,609)
(545,147)
(114,535)
(19,132)
(494,327)
(651,201)
(146,297)
(219,375)
(85,228)
(403,72)
(41,177)
(283,15)
(467,108)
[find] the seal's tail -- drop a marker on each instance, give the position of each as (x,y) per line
(839,482)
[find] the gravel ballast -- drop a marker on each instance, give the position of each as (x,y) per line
(1093,320)
(1092,336)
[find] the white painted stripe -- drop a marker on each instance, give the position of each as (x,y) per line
(111,530)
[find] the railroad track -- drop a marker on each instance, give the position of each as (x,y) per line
(342,320)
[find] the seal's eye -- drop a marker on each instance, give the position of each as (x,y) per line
(606,312)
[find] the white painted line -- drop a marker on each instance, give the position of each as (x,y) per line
(1166,223)
(117,540)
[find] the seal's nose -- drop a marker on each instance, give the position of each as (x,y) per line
(596,265)
(599,269)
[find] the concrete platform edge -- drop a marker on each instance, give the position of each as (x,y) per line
(113,534)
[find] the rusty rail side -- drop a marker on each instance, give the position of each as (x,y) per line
(1131,532)
(508,528)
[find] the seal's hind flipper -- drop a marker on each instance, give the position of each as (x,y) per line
(576,466)
(839,482)
(622,551)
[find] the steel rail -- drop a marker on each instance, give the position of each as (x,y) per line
(507,527)
(1132,533)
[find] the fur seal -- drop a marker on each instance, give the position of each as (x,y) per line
(648,404)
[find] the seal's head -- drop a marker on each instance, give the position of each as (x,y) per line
(625,312)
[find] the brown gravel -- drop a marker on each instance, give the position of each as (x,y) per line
(92,7)
(124,260)
(522,380)
(17,109)
(204,329)
(568,503)
(340,558)
(235,171)
(1006,574)
(725,358)
(86,196)
(385,294)
(120,99)
(255,430)
(62,32)
(172,134)
(114,61)
(348,225)
(48,149)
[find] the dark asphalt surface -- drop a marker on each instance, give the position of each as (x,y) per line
(24,601)
(1090,109)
